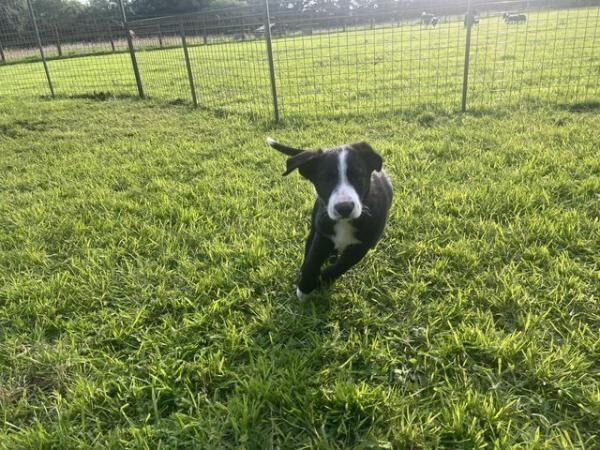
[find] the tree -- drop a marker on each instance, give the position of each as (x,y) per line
(167,7)
(54,11)
(13,16)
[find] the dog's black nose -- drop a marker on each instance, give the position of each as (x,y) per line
(344,209)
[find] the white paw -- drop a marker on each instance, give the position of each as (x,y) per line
(301,295)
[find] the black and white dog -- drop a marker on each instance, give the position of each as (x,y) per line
(353,200)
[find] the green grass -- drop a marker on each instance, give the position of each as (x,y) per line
(147,259)
(553,59)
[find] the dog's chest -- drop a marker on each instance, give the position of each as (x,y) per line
(344,235)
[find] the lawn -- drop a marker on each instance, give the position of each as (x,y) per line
(553,58)
(147,259)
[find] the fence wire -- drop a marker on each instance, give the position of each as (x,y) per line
(553,56)
(390,56)
(371,64)
(89,60)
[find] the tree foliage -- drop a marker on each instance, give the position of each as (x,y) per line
(167,7)
(71,17)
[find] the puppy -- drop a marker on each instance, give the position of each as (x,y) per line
(353,201)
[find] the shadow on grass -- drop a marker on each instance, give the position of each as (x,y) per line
(100,96)
(425,116)
(581,107)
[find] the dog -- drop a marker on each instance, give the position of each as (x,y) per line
(354,196)
(514,18)
(426,18)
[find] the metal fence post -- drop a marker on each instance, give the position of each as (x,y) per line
(467,57)
(110,37)
(58,46)
(2,57)
(136,70)
(188,64)
(271,63)
(39,41)
(160,40)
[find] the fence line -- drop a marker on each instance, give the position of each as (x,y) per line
(40,46)
(267,28)
(261,62)
(188,64)
(134,64)
(469,24)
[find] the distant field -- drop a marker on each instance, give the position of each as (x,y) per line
(553,58)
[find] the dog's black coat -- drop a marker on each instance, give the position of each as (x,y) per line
(347,218)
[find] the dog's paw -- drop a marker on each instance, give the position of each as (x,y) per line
(307,284)
(301,295)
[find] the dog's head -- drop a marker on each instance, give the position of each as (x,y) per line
(341,175)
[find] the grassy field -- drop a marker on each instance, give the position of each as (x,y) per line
(147,259)
(554,58)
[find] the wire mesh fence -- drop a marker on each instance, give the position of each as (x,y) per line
(552,55)
(370,65)
(228,61)
(389,56)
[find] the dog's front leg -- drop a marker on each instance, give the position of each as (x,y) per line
(347,259)
(318,249)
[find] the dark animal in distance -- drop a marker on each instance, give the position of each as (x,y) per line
(350,212)
(514,18)
(428,19)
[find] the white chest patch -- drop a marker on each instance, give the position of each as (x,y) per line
(344,235)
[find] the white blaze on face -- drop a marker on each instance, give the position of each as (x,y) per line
(344,191)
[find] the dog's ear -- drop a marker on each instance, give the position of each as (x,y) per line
(371,158)
(306,163)
(286,150)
